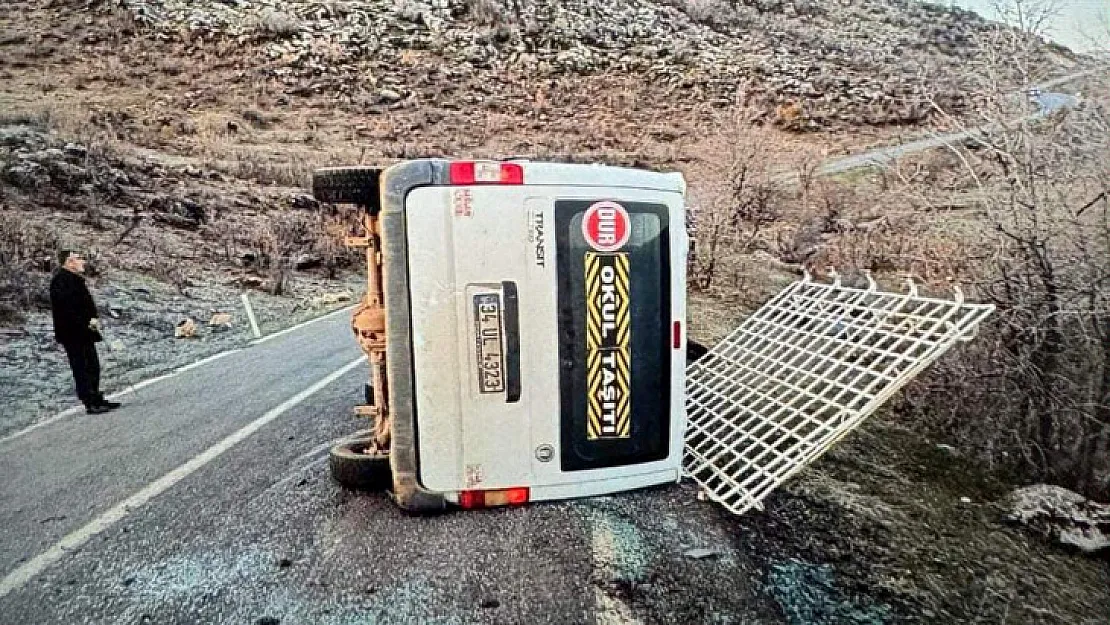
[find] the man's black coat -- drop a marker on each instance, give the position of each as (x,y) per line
(73,307)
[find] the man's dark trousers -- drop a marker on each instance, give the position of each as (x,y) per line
(73,309)
(85,364)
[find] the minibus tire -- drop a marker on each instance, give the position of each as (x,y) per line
(355,470)
(694,351)
(347,185)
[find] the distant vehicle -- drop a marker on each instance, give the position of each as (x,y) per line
(1033,94)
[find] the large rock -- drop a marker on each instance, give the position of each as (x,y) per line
(1065,517)
(305,261)
(185,329)
(25,175)
(20,136)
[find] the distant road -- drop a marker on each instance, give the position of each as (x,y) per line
(1047,101)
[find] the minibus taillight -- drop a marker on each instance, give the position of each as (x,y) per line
(485,172)
(471,499)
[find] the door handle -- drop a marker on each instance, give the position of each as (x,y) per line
(512,341)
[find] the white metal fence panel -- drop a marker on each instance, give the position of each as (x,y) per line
(803,372)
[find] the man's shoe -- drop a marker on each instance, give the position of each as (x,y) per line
(96,409)
(104,403)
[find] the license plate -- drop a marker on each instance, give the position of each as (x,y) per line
(489,343)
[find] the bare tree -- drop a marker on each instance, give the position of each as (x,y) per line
(1034,17)
(1037,384)
(737,199)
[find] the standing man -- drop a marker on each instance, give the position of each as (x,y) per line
(77,328)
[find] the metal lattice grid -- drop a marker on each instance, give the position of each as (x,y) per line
(801,373)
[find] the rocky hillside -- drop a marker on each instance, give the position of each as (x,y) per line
(177,221)
(820,64)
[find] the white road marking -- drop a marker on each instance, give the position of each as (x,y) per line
(301,325)
(130,390)
(317,450)
(23,574)
(31,428)
(204,361)
(68,412)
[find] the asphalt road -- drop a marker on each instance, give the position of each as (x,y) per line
(131,517)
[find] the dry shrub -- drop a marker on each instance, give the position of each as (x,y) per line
(112,70)
(171,271)
(98,131)
(706,11)
(171,66)
(278,239)
(487,12)
(1022,222)
(739,205)
(257,118)
(286,234)
(328,241)
(224,144)
(792,116)
(336,8)
(37,118)
(719,14)
(45,115)
(882,231)
(26,252)
(253,166)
